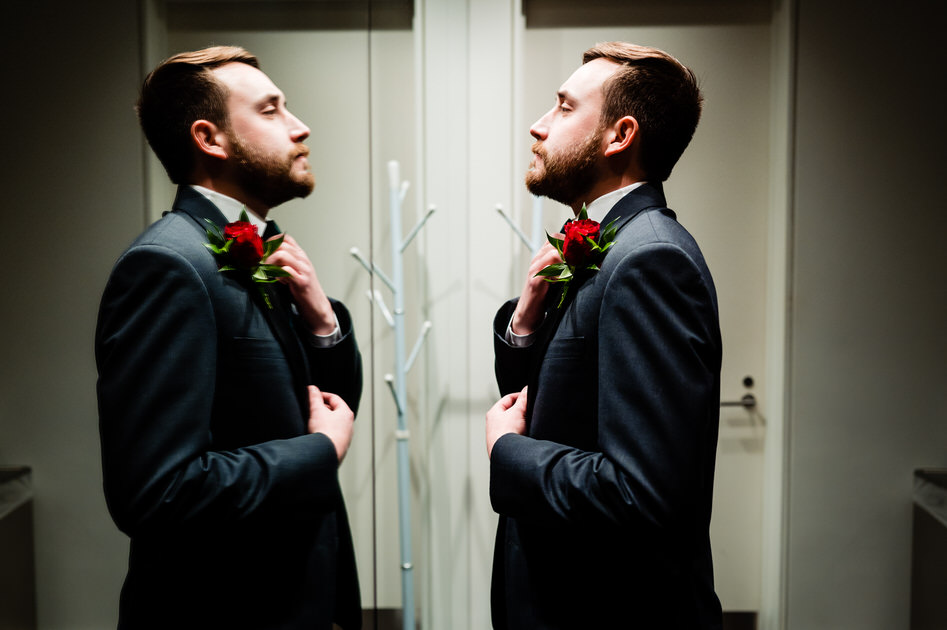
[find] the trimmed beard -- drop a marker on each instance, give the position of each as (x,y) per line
(568,176)
(268,177)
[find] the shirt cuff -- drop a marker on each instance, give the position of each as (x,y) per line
(326,341)
(518,341)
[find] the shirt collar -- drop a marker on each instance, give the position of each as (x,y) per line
(230,207)
(600,207)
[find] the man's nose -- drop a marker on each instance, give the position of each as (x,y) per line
(297,129)
(540,128)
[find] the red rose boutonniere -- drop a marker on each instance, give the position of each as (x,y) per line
(582,248)
(239,248)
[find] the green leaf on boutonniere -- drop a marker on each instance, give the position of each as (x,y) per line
(271,246)
(269,273)
(216,241)
(553,270)
(608,234)
(555,242)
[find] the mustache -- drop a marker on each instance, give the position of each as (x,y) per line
(302,150)
(538,149)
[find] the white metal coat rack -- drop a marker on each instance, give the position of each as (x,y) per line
(396,380)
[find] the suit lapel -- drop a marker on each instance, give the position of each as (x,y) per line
(279,318)
(628,207)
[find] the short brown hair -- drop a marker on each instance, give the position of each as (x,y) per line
(179,91)
(660,93)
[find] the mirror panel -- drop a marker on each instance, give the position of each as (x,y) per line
(396,321)
(319,54)
(347,70)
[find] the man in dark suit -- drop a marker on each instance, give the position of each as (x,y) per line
(226,404)
(602,448)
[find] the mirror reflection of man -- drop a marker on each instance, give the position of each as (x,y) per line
(226,404)
(602,448)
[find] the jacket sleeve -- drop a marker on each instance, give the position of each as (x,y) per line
(511,363)
(658,362)
(338,368)
(156,353)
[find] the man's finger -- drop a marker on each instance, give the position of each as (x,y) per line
(508,401)
(315,397)
(332,401)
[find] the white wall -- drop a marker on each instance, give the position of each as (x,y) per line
(487,78)
(868,341)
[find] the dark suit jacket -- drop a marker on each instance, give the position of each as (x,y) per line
(605,503)
(235,513)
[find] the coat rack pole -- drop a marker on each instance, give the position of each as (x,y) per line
(396,381)
(400,393)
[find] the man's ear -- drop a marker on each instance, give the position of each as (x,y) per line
(209,139)
(622,134)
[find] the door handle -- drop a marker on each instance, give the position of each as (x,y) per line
(747,402)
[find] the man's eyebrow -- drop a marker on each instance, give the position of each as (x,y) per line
(269,98)
(564,95)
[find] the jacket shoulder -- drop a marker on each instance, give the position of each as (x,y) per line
(656,226)
(177,236)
